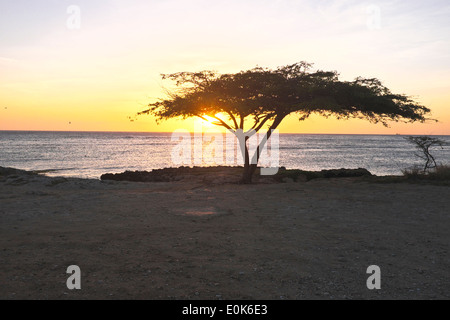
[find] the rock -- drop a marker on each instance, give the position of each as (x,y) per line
(136,176)
(221,175)
(14,172)
(345,173)
(217,175)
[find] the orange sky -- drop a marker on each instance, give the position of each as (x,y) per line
(91,77)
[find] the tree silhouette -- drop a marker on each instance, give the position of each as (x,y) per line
(423,144)
(265,97)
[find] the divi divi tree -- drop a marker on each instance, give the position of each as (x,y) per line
(248,101)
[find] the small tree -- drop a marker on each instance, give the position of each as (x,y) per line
(267,96)
(423,144)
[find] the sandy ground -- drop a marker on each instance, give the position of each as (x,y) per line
(180,240)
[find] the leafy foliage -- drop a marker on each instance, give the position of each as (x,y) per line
(271,94)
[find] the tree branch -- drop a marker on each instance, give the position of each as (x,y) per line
(203,118)
(234,120)
(275,124)
(266,118)
(222,123)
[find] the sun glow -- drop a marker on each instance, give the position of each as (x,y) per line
(210,120)
(212,123)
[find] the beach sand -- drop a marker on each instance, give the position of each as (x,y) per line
(199,240)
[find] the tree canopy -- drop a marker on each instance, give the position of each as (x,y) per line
(266,96)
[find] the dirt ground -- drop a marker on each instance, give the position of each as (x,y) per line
(194,240)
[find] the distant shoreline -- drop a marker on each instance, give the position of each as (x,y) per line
(167,133)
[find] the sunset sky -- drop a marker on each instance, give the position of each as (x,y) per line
(86,65)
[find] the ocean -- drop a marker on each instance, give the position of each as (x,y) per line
(91,154)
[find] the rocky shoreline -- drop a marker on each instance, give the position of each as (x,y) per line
(229,174)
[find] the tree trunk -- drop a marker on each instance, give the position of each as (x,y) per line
(247,175)
(250,169)
(256,156)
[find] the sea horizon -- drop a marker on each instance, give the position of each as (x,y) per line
(87,154)
(281,133)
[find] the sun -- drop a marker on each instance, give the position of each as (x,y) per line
(209,119)
(208,123)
